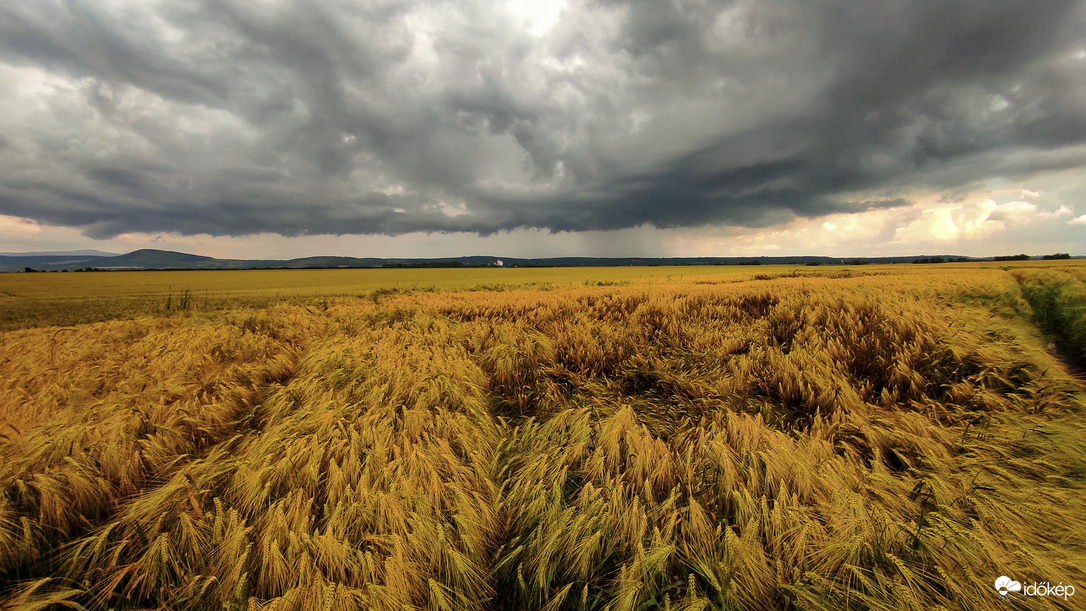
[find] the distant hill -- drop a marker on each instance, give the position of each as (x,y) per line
(165,259)
(148,258)
(13,263)
(87,252)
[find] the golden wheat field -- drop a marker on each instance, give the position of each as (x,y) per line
(892,437)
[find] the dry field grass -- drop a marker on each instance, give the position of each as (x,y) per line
(77,298)
(744,438)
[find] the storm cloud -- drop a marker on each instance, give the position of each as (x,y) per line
(233,118)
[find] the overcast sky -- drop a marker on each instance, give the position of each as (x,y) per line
(544,128)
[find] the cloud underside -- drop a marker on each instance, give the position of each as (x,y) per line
(326,117)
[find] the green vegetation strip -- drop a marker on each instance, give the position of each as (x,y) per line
(1058,302)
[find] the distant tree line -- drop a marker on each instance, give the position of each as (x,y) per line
(432,264)
(31,270)
(941,260)
(1025,257)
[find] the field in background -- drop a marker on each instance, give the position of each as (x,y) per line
(42,299)
(28,300)
(879,437)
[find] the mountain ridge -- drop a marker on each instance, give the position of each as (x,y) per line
(152,259)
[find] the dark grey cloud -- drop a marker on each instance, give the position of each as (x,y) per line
(330,116)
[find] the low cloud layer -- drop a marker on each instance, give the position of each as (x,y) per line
(232,118)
